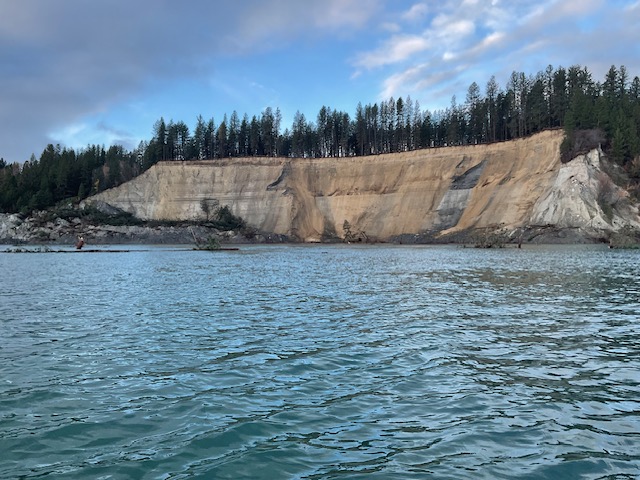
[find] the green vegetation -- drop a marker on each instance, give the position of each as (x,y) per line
(225,220)
(592,113)
(351,236)
(92,215)
(89,214)
(490,238)
(63,173)
(212,244)
(627,238)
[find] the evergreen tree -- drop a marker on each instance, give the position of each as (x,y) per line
(199,145)
(268,132)
(160,137)
(222,140)
(491,102)
(475,115)
(255,142)
(243,137)
(234,134)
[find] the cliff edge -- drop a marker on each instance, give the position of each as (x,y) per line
(439,192)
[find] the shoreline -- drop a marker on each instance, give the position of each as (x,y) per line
(34,232)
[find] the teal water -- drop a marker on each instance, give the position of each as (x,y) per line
(321,362)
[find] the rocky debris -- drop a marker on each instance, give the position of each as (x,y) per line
(584,197)
(499,236)
(62,231)
(625,238)
(106,208)
(9,225)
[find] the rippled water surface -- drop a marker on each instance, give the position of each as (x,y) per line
(321,362)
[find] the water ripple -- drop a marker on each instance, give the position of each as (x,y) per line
(321,362)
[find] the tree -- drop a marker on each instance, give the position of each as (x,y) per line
(475,114)
(210,143)
(199,149)
(634,90)
(389,126)
(492,91)
(399,132)
(343,134)
(208,205)
(277,123)
(348,234)
(416,125)
(324,130)
(222,140)
(255,142)
(298,132)
(243,137)
(361,130)
(160,137)
(455,125)
(559,100)
(538,113)
(409,142)
(178,140)
(234,134)
(268,131)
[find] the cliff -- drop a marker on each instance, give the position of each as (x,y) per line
(438,192)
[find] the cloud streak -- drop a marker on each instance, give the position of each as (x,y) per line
(395,50)
(471,40)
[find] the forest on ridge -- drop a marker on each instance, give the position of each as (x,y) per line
(559,97)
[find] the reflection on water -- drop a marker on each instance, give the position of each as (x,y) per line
(321,362)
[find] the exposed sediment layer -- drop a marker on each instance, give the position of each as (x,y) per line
(442,191)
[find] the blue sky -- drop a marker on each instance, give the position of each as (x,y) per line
(78,72)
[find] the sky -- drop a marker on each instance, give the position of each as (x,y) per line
(80,72)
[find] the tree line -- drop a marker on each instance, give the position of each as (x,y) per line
(560,97)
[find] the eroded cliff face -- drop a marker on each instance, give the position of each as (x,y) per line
(440,191)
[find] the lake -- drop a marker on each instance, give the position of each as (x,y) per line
(321,362)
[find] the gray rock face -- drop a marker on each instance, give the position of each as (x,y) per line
(106,208)
(9,225)
(583,196)
(456,200)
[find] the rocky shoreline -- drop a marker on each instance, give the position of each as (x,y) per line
(44,228)
(39,229)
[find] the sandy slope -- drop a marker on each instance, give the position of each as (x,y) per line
(507,185)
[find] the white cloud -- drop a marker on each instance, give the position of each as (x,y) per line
(270,22)
(396,49)
(69,131)
(448,56)
(416,12)
(492,39)
(495,37)
(394,82)
(452,31)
